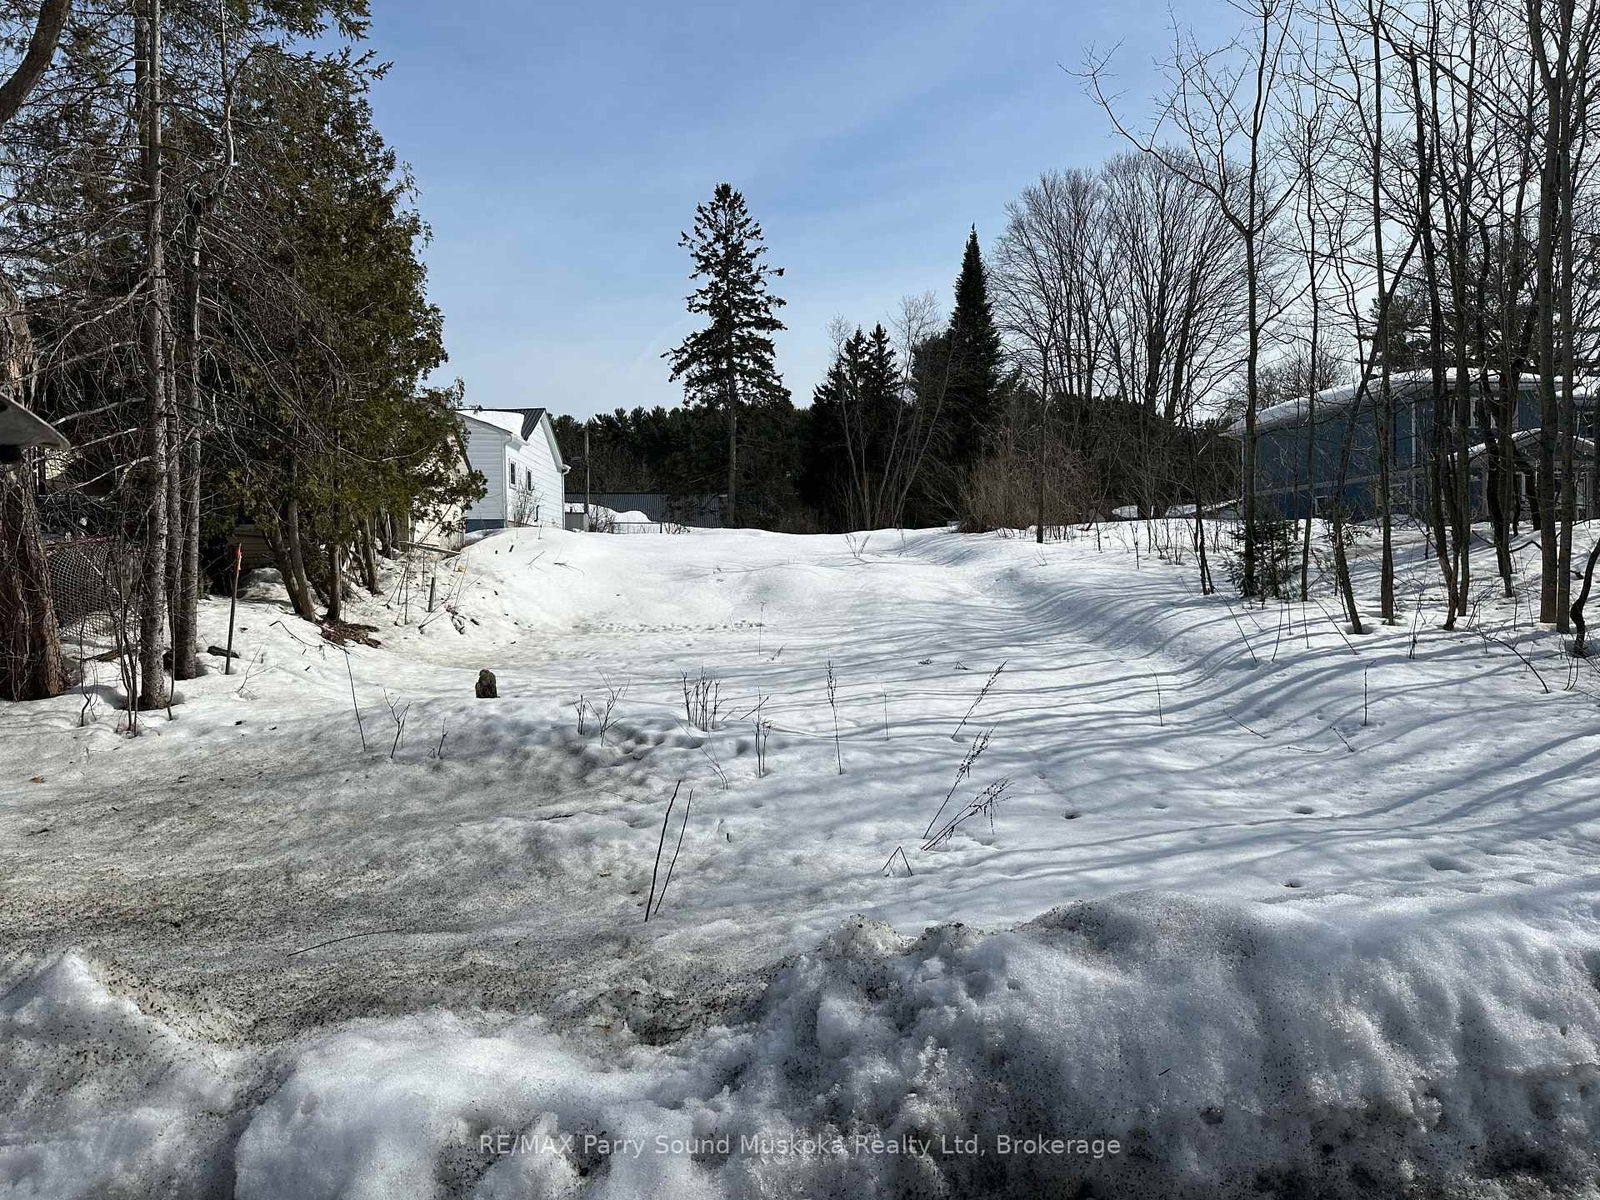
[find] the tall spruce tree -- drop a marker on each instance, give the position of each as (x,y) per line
(855,435)
(729,362)
(825,479)
(973,403)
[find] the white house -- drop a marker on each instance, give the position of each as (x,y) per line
(515,449)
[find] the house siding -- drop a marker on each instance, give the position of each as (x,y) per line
(536,470)
(1281,454)
(494,452)
(486,450)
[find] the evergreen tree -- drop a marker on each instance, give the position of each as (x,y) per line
(825,478)
(729,362)
(344,308)
(855,441)
(880,399)
(972,400)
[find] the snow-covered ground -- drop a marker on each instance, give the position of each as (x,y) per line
(1253,907)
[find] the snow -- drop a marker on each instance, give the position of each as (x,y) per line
(601,517)
(1258,901)
(508,420)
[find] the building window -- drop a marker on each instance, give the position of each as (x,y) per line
(513,474)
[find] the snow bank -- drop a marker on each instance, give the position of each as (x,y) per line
(1140,1045)
(1220,1046)
(1371,972)
(373,1111)
(95,1092)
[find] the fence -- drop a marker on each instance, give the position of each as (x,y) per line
(91,583)
(644,527)
(699,511)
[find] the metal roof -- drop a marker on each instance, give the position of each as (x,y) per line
(1404,386)
(530,416)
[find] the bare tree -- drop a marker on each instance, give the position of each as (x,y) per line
(1218,109)
(30,641)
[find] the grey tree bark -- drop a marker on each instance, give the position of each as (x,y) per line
(30,639)
(153,583)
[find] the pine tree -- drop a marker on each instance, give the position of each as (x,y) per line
(730,361)
(972,405)
(880,399)
(856,441)
(825,481)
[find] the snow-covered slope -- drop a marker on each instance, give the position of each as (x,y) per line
(1273,909)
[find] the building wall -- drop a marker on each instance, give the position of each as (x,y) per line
(441,527)
(1282,459)
(539,480)
(486,452)
(1281,463)
(536,494)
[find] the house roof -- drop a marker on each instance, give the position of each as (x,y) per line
(524,420)
(1404,386)
(1523,438)
(519,423)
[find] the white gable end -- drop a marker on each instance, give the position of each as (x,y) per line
(523,479)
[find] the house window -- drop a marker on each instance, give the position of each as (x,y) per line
(513,474)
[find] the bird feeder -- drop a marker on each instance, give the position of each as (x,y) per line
(20,429)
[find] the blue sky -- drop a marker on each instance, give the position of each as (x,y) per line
(561,147)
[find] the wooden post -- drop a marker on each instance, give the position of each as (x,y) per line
(586,476)
(233,607)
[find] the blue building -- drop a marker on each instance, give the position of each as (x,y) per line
(1300,446)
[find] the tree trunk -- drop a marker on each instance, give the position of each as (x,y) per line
(1566,412)
(1580,641)
(1494,486)
(1545,318)
(369,558)
(299,587)
(1384,416)
(335,581)
(186,539)
(730,518)
(1252,392)
(175,487)
(30,641)
(153,588)
(1341,572)
(1438,390)
(299,599)
(1044,417)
